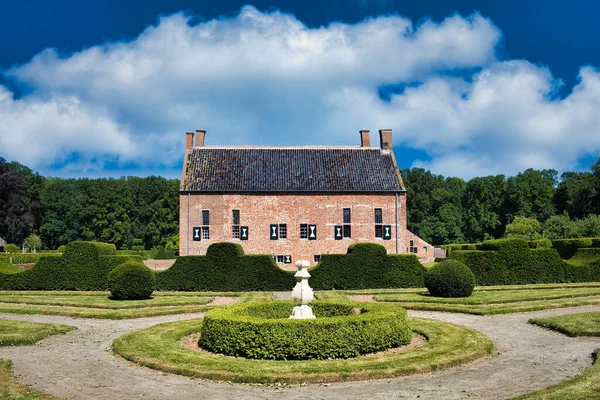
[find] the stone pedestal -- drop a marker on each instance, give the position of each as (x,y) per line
(302,293)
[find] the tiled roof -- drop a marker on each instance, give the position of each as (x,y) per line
(290,169)
(2,242)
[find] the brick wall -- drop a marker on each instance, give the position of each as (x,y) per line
(259,211)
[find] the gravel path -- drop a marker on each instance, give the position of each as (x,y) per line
(78,365)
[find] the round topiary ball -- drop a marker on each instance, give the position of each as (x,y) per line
(131,281)
(450,278)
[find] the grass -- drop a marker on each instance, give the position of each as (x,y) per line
(99,305)
(582,324)
(159,347)
(497,300)
(16,333)
(10,389)
(583,387)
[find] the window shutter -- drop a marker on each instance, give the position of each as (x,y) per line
(312,232)
(387,232)
(274,232)
(338,232)
(243,233)
(196,237)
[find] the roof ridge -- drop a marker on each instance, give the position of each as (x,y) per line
(271,147)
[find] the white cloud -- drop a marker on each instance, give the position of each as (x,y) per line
(266,78)
(255,78)
(506,120)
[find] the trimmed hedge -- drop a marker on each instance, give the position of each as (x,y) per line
(567,247)
(265,331)
(131,281)
(79,268)
(585,256)
(540,244)
(105,249)
(225,268)
(507,262)
(26,258)
(367,266)
(450,278)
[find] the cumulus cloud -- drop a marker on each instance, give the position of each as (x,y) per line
(254,78)
(506,119)
(266,78)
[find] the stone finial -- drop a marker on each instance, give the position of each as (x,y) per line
(302,292)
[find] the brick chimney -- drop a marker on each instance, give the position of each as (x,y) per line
(385,138)
(189,140)
(200,134)
(365,140)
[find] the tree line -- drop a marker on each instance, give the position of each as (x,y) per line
(134,212)
(444,210)
(128,211)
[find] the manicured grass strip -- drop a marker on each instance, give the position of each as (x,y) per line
(82,312)
(16,333)
(582,324)
(106,294)
(493,297)
(13,390)
(494,309)
(7,268)
(159,347)
(103,302)
(583,387)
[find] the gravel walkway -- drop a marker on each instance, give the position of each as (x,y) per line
(78,365)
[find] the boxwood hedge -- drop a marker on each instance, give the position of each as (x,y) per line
(131,281)
(450,278)
(511,261)
(567,247)
(367,266)
(79,268)
(265,331)
(225,268)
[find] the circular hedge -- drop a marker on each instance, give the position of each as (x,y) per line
(265,331)
(450,278)
(131,281)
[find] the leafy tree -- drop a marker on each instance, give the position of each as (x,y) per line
(16,217)
(33,242)
(559,227)
(12,248)
(530,194)
(483,205)
(589,226)
(575,194)
(524,228)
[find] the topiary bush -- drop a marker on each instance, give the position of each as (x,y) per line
(450,278)
(161,254)
(366,266)
(567,247)
(131,281)
(540,244)
(265,331)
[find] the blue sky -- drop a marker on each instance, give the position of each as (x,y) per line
(470,88)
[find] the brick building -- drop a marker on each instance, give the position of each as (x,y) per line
(294,202)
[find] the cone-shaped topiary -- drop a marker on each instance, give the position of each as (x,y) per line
(131,281)
(161,254)
(450,278)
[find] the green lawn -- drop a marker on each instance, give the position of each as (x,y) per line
(582,324)
(159,347)
(495,300)
(99,305)
(15,333)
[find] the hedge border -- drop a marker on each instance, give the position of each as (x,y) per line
(337,332)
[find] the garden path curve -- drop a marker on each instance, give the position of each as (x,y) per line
(79,365)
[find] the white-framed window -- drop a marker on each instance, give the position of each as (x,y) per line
(379,223)
(282,231)
(347,218)
(235,225)
(205,225)
(303,231)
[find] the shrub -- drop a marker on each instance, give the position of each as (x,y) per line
(540,244)
(161,254)
(61,249)
(79,268)
(450,278)
(131,281)
(567,247)
(12,248)
(27,258)
(225,268)
(366,266)
(105,249)
(265,330)
(367,249)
